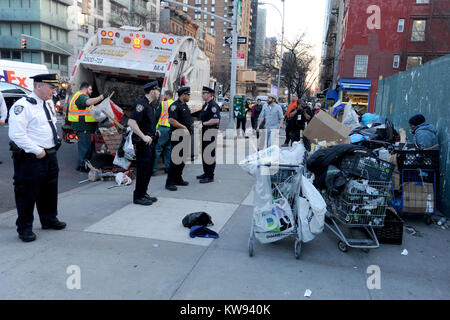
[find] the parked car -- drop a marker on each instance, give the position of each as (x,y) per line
(12,92)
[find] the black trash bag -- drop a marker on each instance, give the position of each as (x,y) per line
(197,219)
(335,181)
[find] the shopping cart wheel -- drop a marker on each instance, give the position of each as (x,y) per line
(342,246)
(298,248)
(428,220)
(250,248)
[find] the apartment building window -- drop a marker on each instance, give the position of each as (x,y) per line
(396,64)
(206,1)
(418,30)
(422,1)
(198,2)
(413,62)
(401,25)
(361,63)
(98,4)
(185,9)
(48,59)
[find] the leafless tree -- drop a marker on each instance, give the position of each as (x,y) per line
(124,17)
(223,77)
(296,70)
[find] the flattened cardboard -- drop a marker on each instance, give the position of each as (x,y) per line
(415,197)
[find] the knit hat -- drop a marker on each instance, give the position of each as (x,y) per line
(417,120)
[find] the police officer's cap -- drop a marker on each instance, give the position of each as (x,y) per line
(208,90)
(151,86)
(184,90)
(50,78)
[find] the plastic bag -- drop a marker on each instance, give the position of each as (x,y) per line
(121,162)
(294,155)
(318,206)
(350,118)
(304,216)
(197,219)
(122,178)
(128,147)
(266,156)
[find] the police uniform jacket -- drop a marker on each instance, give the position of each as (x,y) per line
(210,110)
(181,112)
(143,113)
(29,128)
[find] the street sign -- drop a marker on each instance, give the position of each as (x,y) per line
(241,40)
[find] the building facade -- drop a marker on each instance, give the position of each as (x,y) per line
(45,20)
(383,37)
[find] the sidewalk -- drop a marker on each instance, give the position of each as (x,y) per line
(126,251)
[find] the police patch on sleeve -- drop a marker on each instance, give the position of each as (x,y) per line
(18,109)
(172,108)
(214,109)
(139,108)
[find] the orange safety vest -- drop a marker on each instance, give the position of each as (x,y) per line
(75,113)
(164,118)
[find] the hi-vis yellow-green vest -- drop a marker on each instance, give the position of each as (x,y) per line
(164,118)
(75,113)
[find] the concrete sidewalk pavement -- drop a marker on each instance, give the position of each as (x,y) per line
(125,251)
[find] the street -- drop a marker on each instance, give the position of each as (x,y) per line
(125,251)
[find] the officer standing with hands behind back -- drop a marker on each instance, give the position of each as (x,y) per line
(210,117)
(34,142)
(143,123)
(180,131)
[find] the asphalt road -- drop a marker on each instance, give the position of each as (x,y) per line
(69,178)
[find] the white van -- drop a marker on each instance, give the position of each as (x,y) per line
(20,72)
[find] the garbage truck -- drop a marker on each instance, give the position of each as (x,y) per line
(122,60)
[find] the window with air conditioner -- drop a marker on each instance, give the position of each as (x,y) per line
(422,1)
(401,25)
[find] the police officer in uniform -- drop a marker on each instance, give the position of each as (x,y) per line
(142,122)
(210,118)
(34,143)
(180,129)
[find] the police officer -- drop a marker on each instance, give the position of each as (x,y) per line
(210,118)
(142,122)
(34,142)
(180,129)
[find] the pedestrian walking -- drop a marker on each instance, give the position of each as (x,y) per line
(180,130)
(272,114)
(210,118)
(290,125)
(83,123)
(163,126)
(241,119)
(142,122)
(256,111)
(35,142)
(300,117)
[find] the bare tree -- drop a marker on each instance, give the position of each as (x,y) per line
(223,77)
(296,70)
(124,17)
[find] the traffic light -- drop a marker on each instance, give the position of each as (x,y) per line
(86,7)
(24,43)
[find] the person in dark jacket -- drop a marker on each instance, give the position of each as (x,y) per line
(425,134)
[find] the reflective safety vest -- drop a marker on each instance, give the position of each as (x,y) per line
(164,118)
(74,113)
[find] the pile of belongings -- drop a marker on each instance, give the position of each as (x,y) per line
(197,222)
(373,128)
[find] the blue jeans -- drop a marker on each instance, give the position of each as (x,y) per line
(85,146)
(163,147)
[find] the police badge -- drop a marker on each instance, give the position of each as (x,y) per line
(139,108)
(18,109)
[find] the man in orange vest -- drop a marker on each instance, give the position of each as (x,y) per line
(163,126)
(83,123)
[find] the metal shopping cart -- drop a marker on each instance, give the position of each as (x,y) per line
(361,206)
(285,184)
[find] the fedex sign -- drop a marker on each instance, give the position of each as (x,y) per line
(10,76)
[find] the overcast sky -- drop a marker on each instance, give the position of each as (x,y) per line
(301,16)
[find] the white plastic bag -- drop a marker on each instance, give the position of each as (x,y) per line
(318,206)
(122,178)
(128,147)
(121,162)
(294,155)
(266,156)
(304,216)
(350,118)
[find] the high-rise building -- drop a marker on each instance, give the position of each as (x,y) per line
(260,35)
(45,20)
(253,32)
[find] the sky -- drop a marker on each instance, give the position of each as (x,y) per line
(301,16)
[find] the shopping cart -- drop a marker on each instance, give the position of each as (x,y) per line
(285,183)
(362,206)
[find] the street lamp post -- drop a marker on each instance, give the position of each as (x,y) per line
(282,43)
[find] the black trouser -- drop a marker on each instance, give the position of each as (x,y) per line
(36,183)
(295,137)
(179,151)
(289,129)
(145,157)
(209,136)
(241,123)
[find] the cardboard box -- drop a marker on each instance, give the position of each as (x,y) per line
(325,127)
(415,196)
